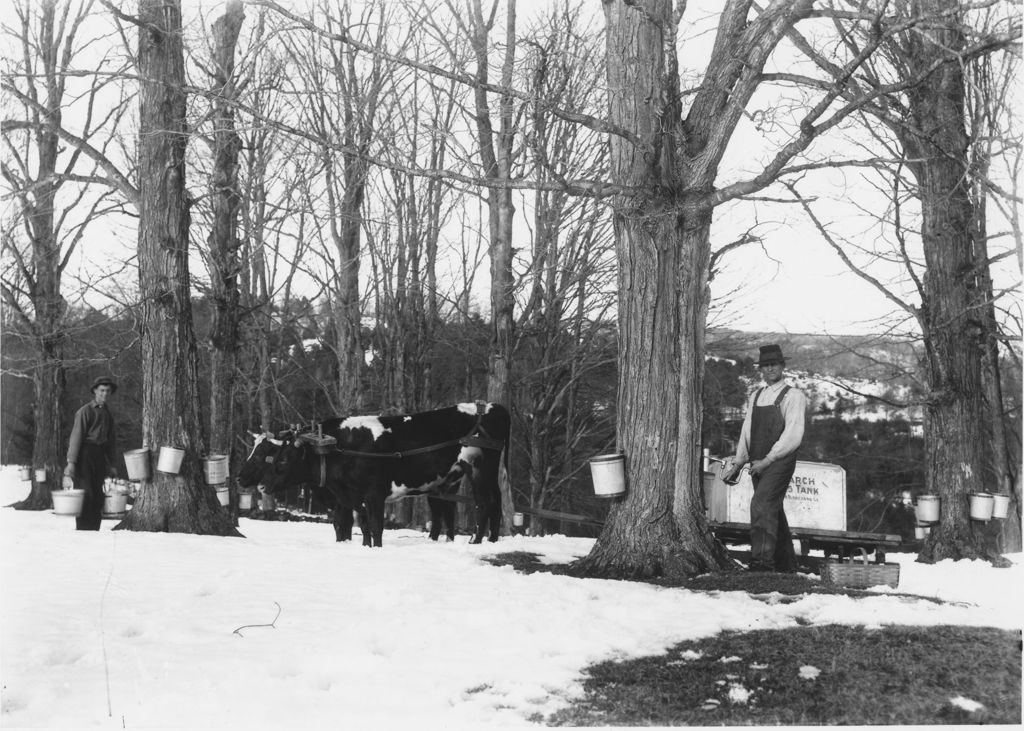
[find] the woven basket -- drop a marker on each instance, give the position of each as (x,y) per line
(856,574)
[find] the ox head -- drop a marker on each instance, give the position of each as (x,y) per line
(271,461)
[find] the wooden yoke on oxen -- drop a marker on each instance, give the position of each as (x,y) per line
(321,444)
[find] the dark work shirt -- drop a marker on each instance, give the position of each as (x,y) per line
(93,424)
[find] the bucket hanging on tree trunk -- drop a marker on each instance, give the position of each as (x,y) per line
(1000,506)
(981,506)
(25,473)
(40,474)
(136,461)
(245,501)
(927,509)
(216,468)
(609,474)
(223,495)
(170,460)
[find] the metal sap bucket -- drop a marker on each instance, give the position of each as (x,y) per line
(609,474)
(136,461)
(1000,506)
(170,460)
(216,469)
(981,506)
(68,502)
(927,508)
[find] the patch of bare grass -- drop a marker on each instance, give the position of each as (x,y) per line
(805,676)
(820,675)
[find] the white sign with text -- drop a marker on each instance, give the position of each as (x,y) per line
(816,497)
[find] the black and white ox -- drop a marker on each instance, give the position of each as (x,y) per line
(364,460)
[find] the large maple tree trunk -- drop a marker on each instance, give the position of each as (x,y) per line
(180,503)
(956,451)
(663,252)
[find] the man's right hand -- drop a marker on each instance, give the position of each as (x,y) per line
(731,469)
(69,471)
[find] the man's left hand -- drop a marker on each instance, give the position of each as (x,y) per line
(758,466)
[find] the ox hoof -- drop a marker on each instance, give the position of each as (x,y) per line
(476,540)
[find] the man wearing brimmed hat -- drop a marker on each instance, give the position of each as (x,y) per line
(92,452)
(772,431)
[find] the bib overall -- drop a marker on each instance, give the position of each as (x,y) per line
(771,543)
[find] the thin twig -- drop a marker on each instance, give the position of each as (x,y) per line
(246,626)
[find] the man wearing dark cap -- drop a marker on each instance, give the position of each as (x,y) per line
(92,452)
(772,431)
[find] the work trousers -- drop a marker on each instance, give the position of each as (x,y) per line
(90,473)
(771,543)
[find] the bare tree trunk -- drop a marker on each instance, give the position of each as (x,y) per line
(48,377)
(223,241)
(347,310)
(37,195)
(957,452)
(663,247)
(179,503)
(496,156)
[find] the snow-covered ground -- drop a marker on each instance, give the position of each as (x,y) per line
(128,630)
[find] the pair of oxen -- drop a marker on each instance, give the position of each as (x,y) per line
(359,462)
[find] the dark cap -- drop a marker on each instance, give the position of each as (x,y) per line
(104,381)
(770,354)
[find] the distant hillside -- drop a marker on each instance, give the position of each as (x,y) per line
(860,357)
(839,374)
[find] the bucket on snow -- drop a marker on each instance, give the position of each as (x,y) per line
(223,495)
(216,468)
(136,461)
(115,504)
(927,509)
(68,502)
(267,502)
(1000,506)
(170,460)
(981,506)
(245,501)
(609,474)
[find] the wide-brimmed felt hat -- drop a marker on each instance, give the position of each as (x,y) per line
(769,355)
(104,381)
